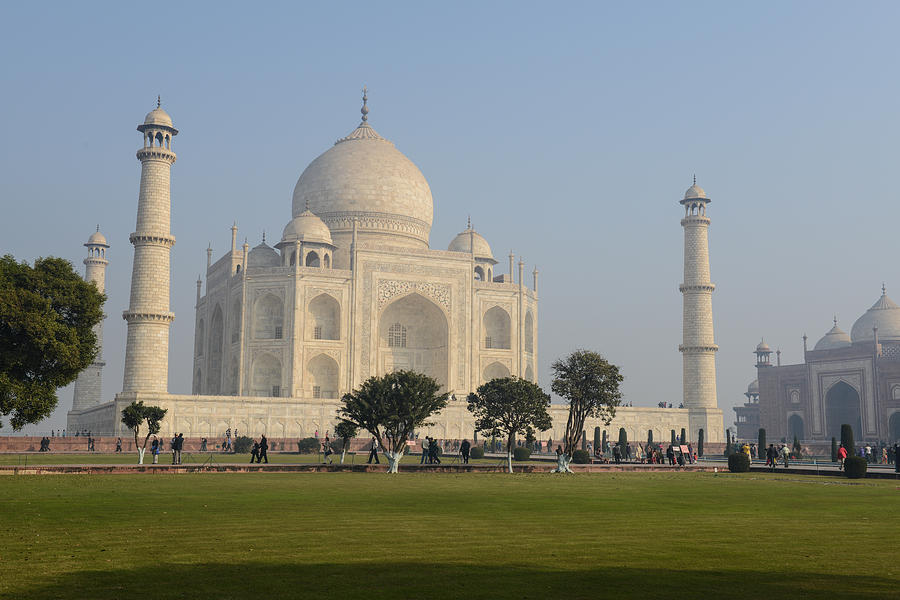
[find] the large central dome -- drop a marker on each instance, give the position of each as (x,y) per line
(364,178)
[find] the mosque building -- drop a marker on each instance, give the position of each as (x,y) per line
(352,289)
(852,379)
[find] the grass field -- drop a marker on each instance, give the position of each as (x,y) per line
(435,536)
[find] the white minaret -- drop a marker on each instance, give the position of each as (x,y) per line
(699,347)
(148,316)
(88,386)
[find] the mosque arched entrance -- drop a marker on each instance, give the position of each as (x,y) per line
(842,406)
(414,335)
(894,427)
(795,427)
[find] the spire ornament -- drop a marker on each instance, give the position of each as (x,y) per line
(365,109)
(158,101)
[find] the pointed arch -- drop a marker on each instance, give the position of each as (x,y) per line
(323,374)
(312,259)
(236,322)
(496,328)
(529,332)
(427,338)
(529,373)
(479,274)
(268,317)
(324,318)
(216,348)
(198,339)
(265,378)
(495,370)
(842,406)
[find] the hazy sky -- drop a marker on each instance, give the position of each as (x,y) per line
(568,131)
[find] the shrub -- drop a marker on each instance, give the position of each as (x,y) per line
(761,441)
(847,439)
(623,440)
(683,436)
(855,467)
(307,445)
(700,444)
(738,462)
(834,450)
(581,457)
(522,453)
(242,444)
(476,452)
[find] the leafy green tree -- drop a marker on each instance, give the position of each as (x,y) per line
(47,318)
(346,431)
(590,386)
(391,408)
(508,406)
(136,414)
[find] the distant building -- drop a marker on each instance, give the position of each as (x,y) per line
(853,379)
(746,420)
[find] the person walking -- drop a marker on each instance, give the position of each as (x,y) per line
(254,451)
(424,458)
(433,449)
(177,447)
(464,449)
(373,452)
(263,450)
(785,453)
(842,456)
(617,454)
(154,450)
(326,451)
(118,445)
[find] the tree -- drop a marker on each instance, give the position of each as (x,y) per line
(510,406)
(590,386)
(683,439)
(47,316)
(649,436)
(834,450)
(761,442)
(847,439)
(796,448)
(391,408)
(700,444)
(346,431)
(598,440)
(134,415)
(623,441)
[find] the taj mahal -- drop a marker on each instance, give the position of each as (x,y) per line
(351,289)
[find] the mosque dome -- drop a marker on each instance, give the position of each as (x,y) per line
(885,315)
(835,338)
(263,256)
(307,227)
(97,239)
(753,388)
(364,178)
(695,192)
(472,241)
(158,116)
(762,346)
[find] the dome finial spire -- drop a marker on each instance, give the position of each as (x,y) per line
(365,109)
(835,320)
(158,101)
(468,221)
(883,289)
(695,179)
(98,227)
(264,236)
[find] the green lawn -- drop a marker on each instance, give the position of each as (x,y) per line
(435,536)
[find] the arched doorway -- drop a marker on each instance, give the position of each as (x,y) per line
(842,406)
(795,427)
(323,376)
(413,334)
(894,427)
(496,328)
(495,370)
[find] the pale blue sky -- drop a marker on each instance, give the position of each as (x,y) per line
(569,131)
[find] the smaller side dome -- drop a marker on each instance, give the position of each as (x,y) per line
(263,256)
(835,338)
(695,192)
(158,116)
(306,227)
(97,239)
(753,388)
(472,241)
(762,346)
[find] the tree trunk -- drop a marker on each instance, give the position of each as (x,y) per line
(509,456)
(343,454)
(141,455)
(393,460)
(562,464)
